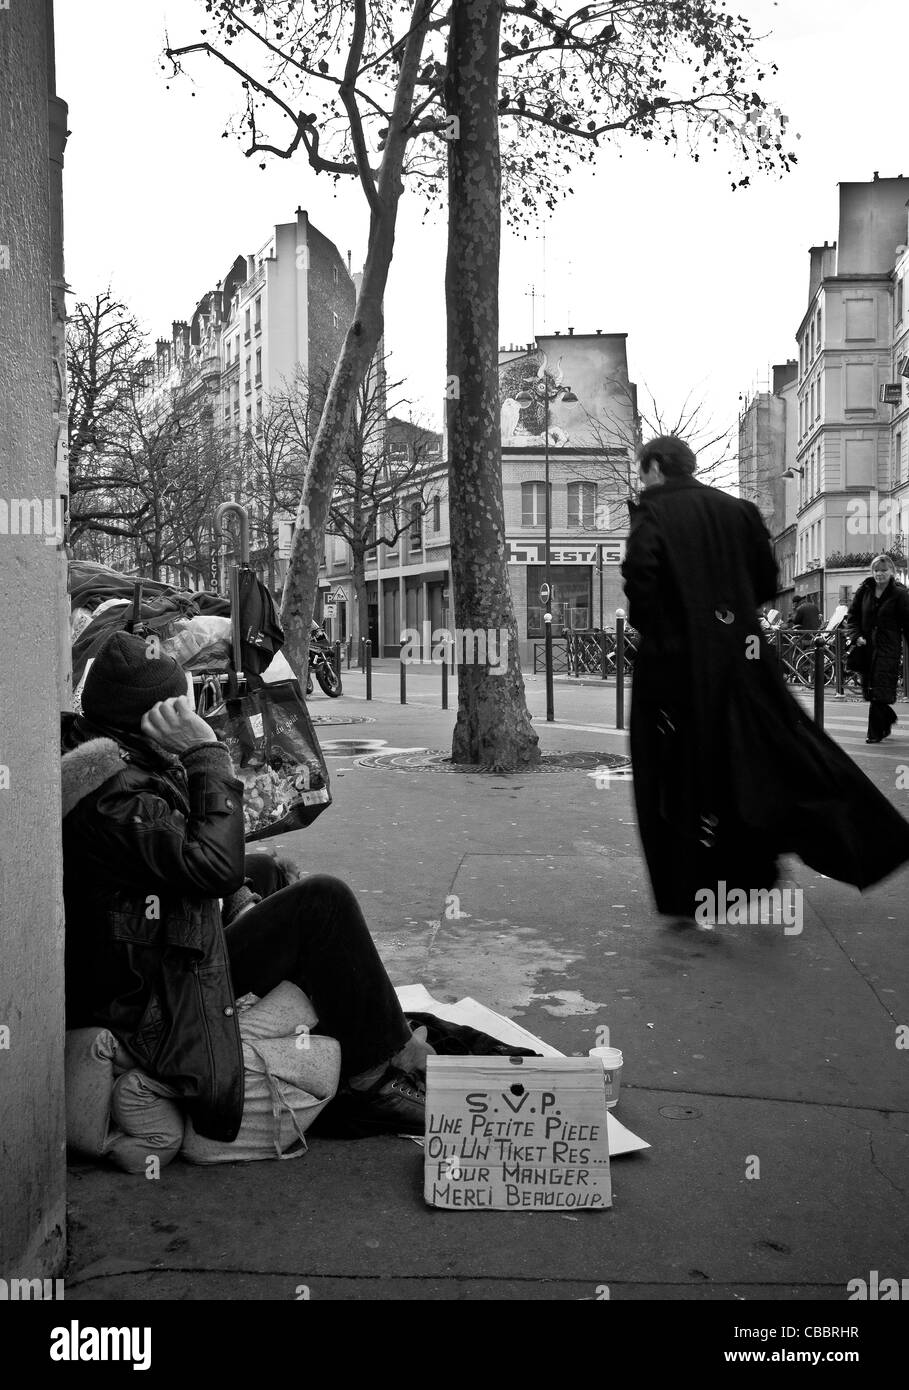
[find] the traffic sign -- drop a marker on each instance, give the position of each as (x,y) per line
(545,593)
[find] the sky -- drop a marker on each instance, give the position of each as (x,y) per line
(709,284)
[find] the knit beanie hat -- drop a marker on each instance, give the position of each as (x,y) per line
(124,682)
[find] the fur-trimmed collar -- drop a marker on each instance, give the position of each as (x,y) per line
(86,768)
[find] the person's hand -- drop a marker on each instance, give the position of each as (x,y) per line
(860,642)
(175,725)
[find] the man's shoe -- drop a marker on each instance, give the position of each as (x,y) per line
(396,1104)
(872,740)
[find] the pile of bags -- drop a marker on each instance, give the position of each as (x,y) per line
(118,1112)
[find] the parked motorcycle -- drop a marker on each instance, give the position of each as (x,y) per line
(321,663)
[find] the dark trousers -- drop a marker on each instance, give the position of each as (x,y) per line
(881,719)
(314,934)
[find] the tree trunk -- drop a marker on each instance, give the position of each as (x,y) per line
(493,726)
(360,344)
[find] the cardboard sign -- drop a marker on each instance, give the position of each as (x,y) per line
(516,1134)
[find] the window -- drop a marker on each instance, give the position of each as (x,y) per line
(258,313)
(817,399)
(899,300)
(533,507)
(582,504)
(811,403)
(248,374)
(437,514)
(571,605)
(246,334)
(416,527)
(898,458)
(811,340)
(818,322)
(258,366)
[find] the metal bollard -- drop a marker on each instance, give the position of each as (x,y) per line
(403,674)
(604,663)
(819,650)
(445,677)
(367,659)
(619,669)
(336,653)
(550,695)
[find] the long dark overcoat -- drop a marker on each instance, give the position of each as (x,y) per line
(729,771)
(883,626)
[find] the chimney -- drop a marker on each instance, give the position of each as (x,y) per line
(571,332)
(599,332)
(250,267)
(876,176)
(558,332)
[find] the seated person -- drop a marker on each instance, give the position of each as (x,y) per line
(152,839)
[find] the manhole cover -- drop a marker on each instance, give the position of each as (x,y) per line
(679,1112)
(437,760)
(351,747)
(343,719)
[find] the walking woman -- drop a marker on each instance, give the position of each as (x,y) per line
(878,619)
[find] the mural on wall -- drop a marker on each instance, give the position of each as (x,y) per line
(585,383)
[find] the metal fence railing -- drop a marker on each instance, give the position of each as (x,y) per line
(593,652)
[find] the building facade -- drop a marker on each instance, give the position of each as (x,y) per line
(573,392)
(825,454)
(848,430)
(274,324)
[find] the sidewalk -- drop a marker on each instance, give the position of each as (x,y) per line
(741,1044)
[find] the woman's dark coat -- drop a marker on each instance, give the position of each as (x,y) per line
(883,626)
(150,843)
(729,772)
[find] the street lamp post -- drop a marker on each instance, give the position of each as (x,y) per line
(524,398)
(547,617)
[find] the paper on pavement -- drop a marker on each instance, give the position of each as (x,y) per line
(417,999)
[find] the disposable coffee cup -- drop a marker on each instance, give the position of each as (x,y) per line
(611,1059)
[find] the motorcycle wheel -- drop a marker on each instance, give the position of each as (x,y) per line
(329,679)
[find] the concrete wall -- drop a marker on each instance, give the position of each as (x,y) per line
(32,1207)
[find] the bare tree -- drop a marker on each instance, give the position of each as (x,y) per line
(617,435)
(105,360)
(559,84)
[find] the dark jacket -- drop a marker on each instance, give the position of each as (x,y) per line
(729,771)
(883,624)
(807,617)
(150,843)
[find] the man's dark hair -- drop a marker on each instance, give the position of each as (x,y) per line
(671,453)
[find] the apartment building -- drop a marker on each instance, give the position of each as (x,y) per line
(850,404)
(276,320)
(572,392)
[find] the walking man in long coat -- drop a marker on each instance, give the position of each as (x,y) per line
(729,771)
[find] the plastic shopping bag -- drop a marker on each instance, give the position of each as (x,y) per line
(276,755)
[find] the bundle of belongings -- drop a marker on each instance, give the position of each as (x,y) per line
(192,627)
(116,1111)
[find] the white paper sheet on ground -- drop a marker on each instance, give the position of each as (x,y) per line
(416,999)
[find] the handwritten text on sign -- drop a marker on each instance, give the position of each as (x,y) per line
(516,1133)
